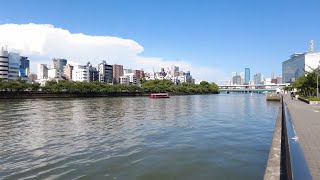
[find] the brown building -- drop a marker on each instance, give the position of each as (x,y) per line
(117,72)
(139,74)
(67,71)
(274,81)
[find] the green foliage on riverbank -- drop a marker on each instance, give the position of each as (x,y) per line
(99,87)
(306,85)
(168,86)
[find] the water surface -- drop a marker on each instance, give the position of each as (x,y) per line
(225,136)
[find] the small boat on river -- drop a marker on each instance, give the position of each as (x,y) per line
(159,95)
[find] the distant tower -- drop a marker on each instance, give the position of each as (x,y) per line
(247,76)
(311,46)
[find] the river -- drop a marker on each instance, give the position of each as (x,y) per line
(224,136)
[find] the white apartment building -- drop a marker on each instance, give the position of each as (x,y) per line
(124,80)
(129,78)
(4,64)
(53,73)
(80,73)
(182,79)
(42,71)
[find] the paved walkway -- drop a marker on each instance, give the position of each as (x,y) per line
(306,121)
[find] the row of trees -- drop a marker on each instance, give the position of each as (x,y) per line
(168,86)
(306,85)
(99,87)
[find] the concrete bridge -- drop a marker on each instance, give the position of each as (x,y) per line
(246,90)
(255,88)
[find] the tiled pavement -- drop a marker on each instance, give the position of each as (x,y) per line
(306,121)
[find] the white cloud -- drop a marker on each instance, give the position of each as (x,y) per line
(42,42)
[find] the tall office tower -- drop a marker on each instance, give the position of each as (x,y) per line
(24,66)
(299,64)
(117,71)
(247,75)
(14,66)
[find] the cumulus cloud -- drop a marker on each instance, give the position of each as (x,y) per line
(42,42)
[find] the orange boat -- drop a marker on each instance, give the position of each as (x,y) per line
(159,95)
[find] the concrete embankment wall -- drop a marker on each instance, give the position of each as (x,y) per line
(274,161)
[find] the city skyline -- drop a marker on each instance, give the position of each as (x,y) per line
(213,41)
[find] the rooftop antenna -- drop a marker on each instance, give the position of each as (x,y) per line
(311,46)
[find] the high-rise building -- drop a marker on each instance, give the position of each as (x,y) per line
(67,71)
(174,71)
(42,71)
(242,78)
(14,66)
(279,80)
(24,66)
(247,76)
(257,78)
(117,71)
(105,72)
(93,74)
(236,80)
(58,64)
(4,64)
(298,64)
(188,77)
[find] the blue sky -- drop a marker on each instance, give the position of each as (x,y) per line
(225,35)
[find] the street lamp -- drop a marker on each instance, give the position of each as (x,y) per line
(318,80)
(317,84)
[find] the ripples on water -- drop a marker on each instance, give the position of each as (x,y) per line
(224,136)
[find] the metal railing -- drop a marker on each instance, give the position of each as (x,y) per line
(295,163)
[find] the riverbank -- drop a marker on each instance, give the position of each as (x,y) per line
(34,95)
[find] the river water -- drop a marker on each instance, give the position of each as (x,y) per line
(225,136)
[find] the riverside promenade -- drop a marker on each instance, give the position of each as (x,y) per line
(306,121)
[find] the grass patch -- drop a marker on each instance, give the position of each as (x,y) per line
(311,98)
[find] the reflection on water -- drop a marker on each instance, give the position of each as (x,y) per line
(183,137)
